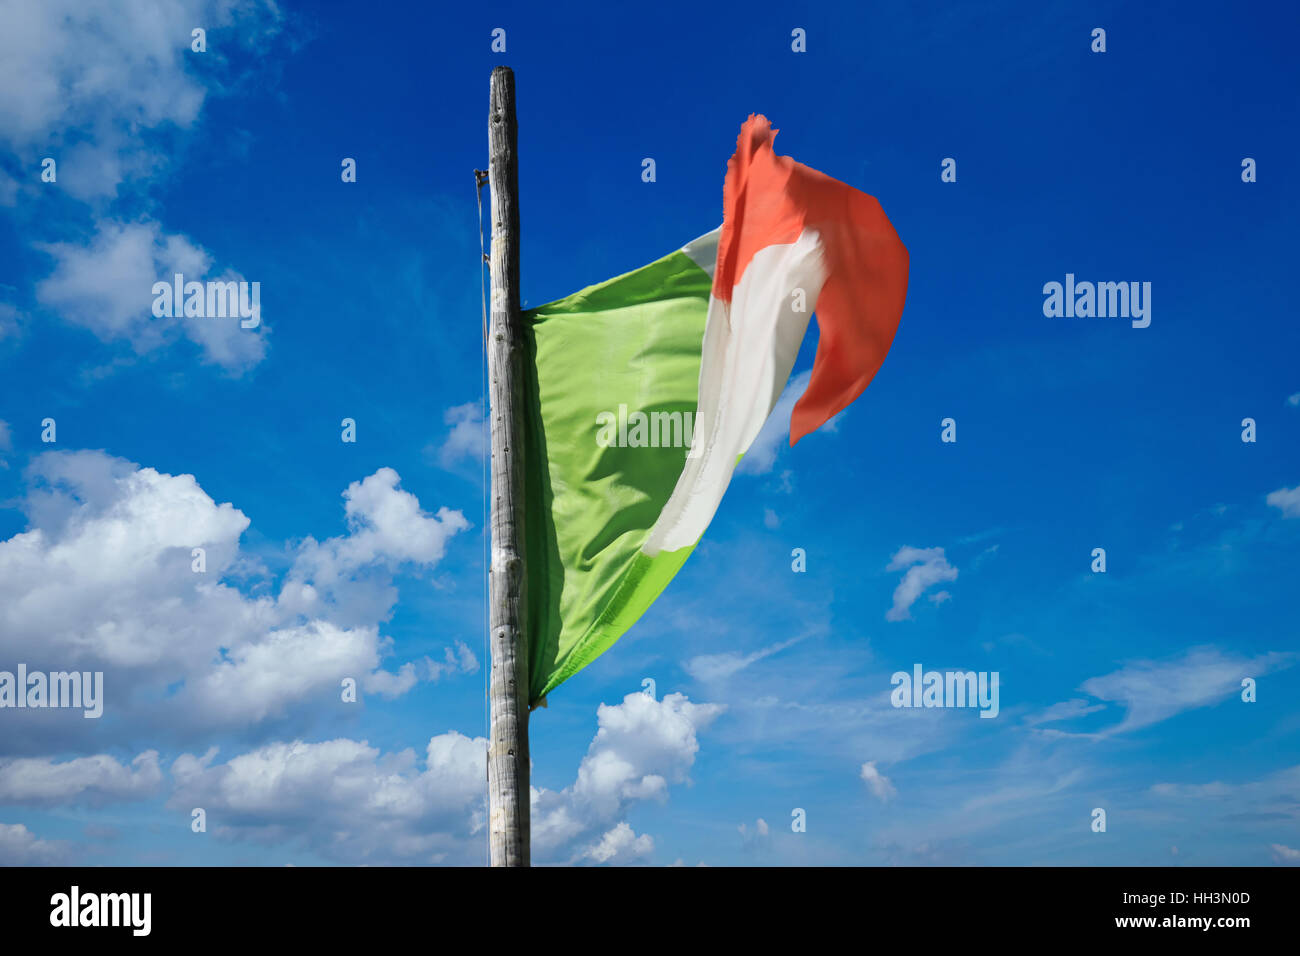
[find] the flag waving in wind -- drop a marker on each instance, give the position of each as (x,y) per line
(643,392)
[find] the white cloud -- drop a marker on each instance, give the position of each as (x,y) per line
(8,321)
(716,667)
(1152,691)
(1065,710)
(467,437)
(1261,806)
(925,568)
(106,286)
(41,781)
(111,91)
(91,82)
(1294,400)
(757,837)
(641,747)
(345,800)
(621,846)
(775,433)
(8,197)
(386,530)
(460,661)
(103,580)
(20,847)
(1284,854)
(348,802)
(1030,788)
(386,684)
(1287,500)
(881,787)
(265,677)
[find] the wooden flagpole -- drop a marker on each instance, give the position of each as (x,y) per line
(508,790)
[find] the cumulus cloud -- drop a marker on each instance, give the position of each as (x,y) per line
(620,847)
(344,799)
(110,92)
(268,675)
(20,847)
(386,526)
(106,286)
(348,802)
(387,530)
(641,747)
(83,780)
(926,567)
(104,580)
(881,787)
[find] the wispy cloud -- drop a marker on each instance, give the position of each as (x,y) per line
(106,285)
(716,667)
(1065,710)
(466,437)
(756,837)
(925,567)
(1282,853)
(775,432)
(96,83)
(1152,691)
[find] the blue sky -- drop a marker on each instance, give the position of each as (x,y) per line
(1118,690)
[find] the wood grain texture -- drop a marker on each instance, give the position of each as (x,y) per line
(508,785)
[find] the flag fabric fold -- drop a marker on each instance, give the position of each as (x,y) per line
(644,391)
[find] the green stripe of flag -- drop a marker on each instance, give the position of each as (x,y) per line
(635,341)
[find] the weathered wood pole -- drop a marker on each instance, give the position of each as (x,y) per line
(507,760)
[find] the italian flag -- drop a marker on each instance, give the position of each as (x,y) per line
(644,391)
